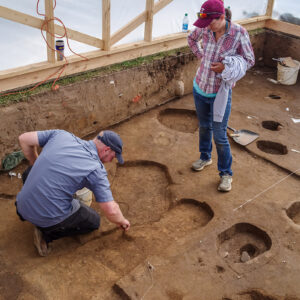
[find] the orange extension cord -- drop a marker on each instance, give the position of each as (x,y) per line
(54,86)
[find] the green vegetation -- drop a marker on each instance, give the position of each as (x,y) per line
(256,31)
(22,95)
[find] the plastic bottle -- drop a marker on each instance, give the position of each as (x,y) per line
(185,23)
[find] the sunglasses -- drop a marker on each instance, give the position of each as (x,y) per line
(201,15)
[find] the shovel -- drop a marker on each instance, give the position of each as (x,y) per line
(243,136)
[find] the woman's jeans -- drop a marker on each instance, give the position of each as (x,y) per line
(208,129)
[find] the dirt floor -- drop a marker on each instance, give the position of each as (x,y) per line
(187,241)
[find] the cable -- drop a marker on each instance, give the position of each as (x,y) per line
(54,86)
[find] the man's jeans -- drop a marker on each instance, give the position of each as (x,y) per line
(209,128)
(84,220)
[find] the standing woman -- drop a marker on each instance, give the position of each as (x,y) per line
(221,40)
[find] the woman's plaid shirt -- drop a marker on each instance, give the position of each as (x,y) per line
(235,41)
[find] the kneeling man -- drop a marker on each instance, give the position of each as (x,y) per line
(66,164)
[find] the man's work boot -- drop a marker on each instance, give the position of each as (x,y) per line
(225,184)
(40,243)
(199,164)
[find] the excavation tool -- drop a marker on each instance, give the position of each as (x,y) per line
(243,136)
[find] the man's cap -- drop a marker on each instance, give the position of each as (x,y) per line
(114,142)
(208,7)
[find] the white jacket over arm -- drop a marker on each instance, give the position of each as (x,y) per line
(235,68)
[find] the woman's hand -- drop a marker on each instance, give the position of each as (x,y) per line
(217,67)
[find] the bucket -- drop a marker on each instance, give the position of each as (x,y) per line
(60,47)
(85,196)
(288,75)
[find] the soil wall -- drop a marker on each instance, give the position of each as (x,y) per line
(91,105)
(279,44)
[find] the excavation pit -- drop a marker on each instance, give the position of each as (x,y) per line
(271,125)
(251,250)
(243,237)
(182,120)
(275,97)
(272,147)
(293,212)
(186,215)
(141,188)
(256,295)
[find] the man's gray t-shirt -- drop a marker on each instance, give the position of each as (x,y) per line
(65,165)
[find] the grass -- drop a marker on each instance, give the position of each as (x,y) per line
(256,31)
(24,94)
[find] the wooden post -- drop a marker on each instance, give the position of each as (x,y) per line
(50,30)
(106,24)
(269,9)
(149,20)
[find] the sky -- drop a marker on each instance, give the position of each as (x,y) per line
(23,45)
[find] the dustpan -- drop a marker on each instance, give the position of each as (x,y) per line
(243,136)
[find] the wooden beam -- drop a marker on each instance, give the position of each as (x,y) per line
(149,21)
(160,5)
(13,15)
(79,37)
(106,24)
(254,26)
(137,21)
(49,27)
(24,76)
(283,27)
(253,23)
(252,20)
(269,10)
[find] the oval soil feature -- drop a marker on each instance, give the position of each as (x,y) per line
(271,125)
(183,120)
(272,147)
